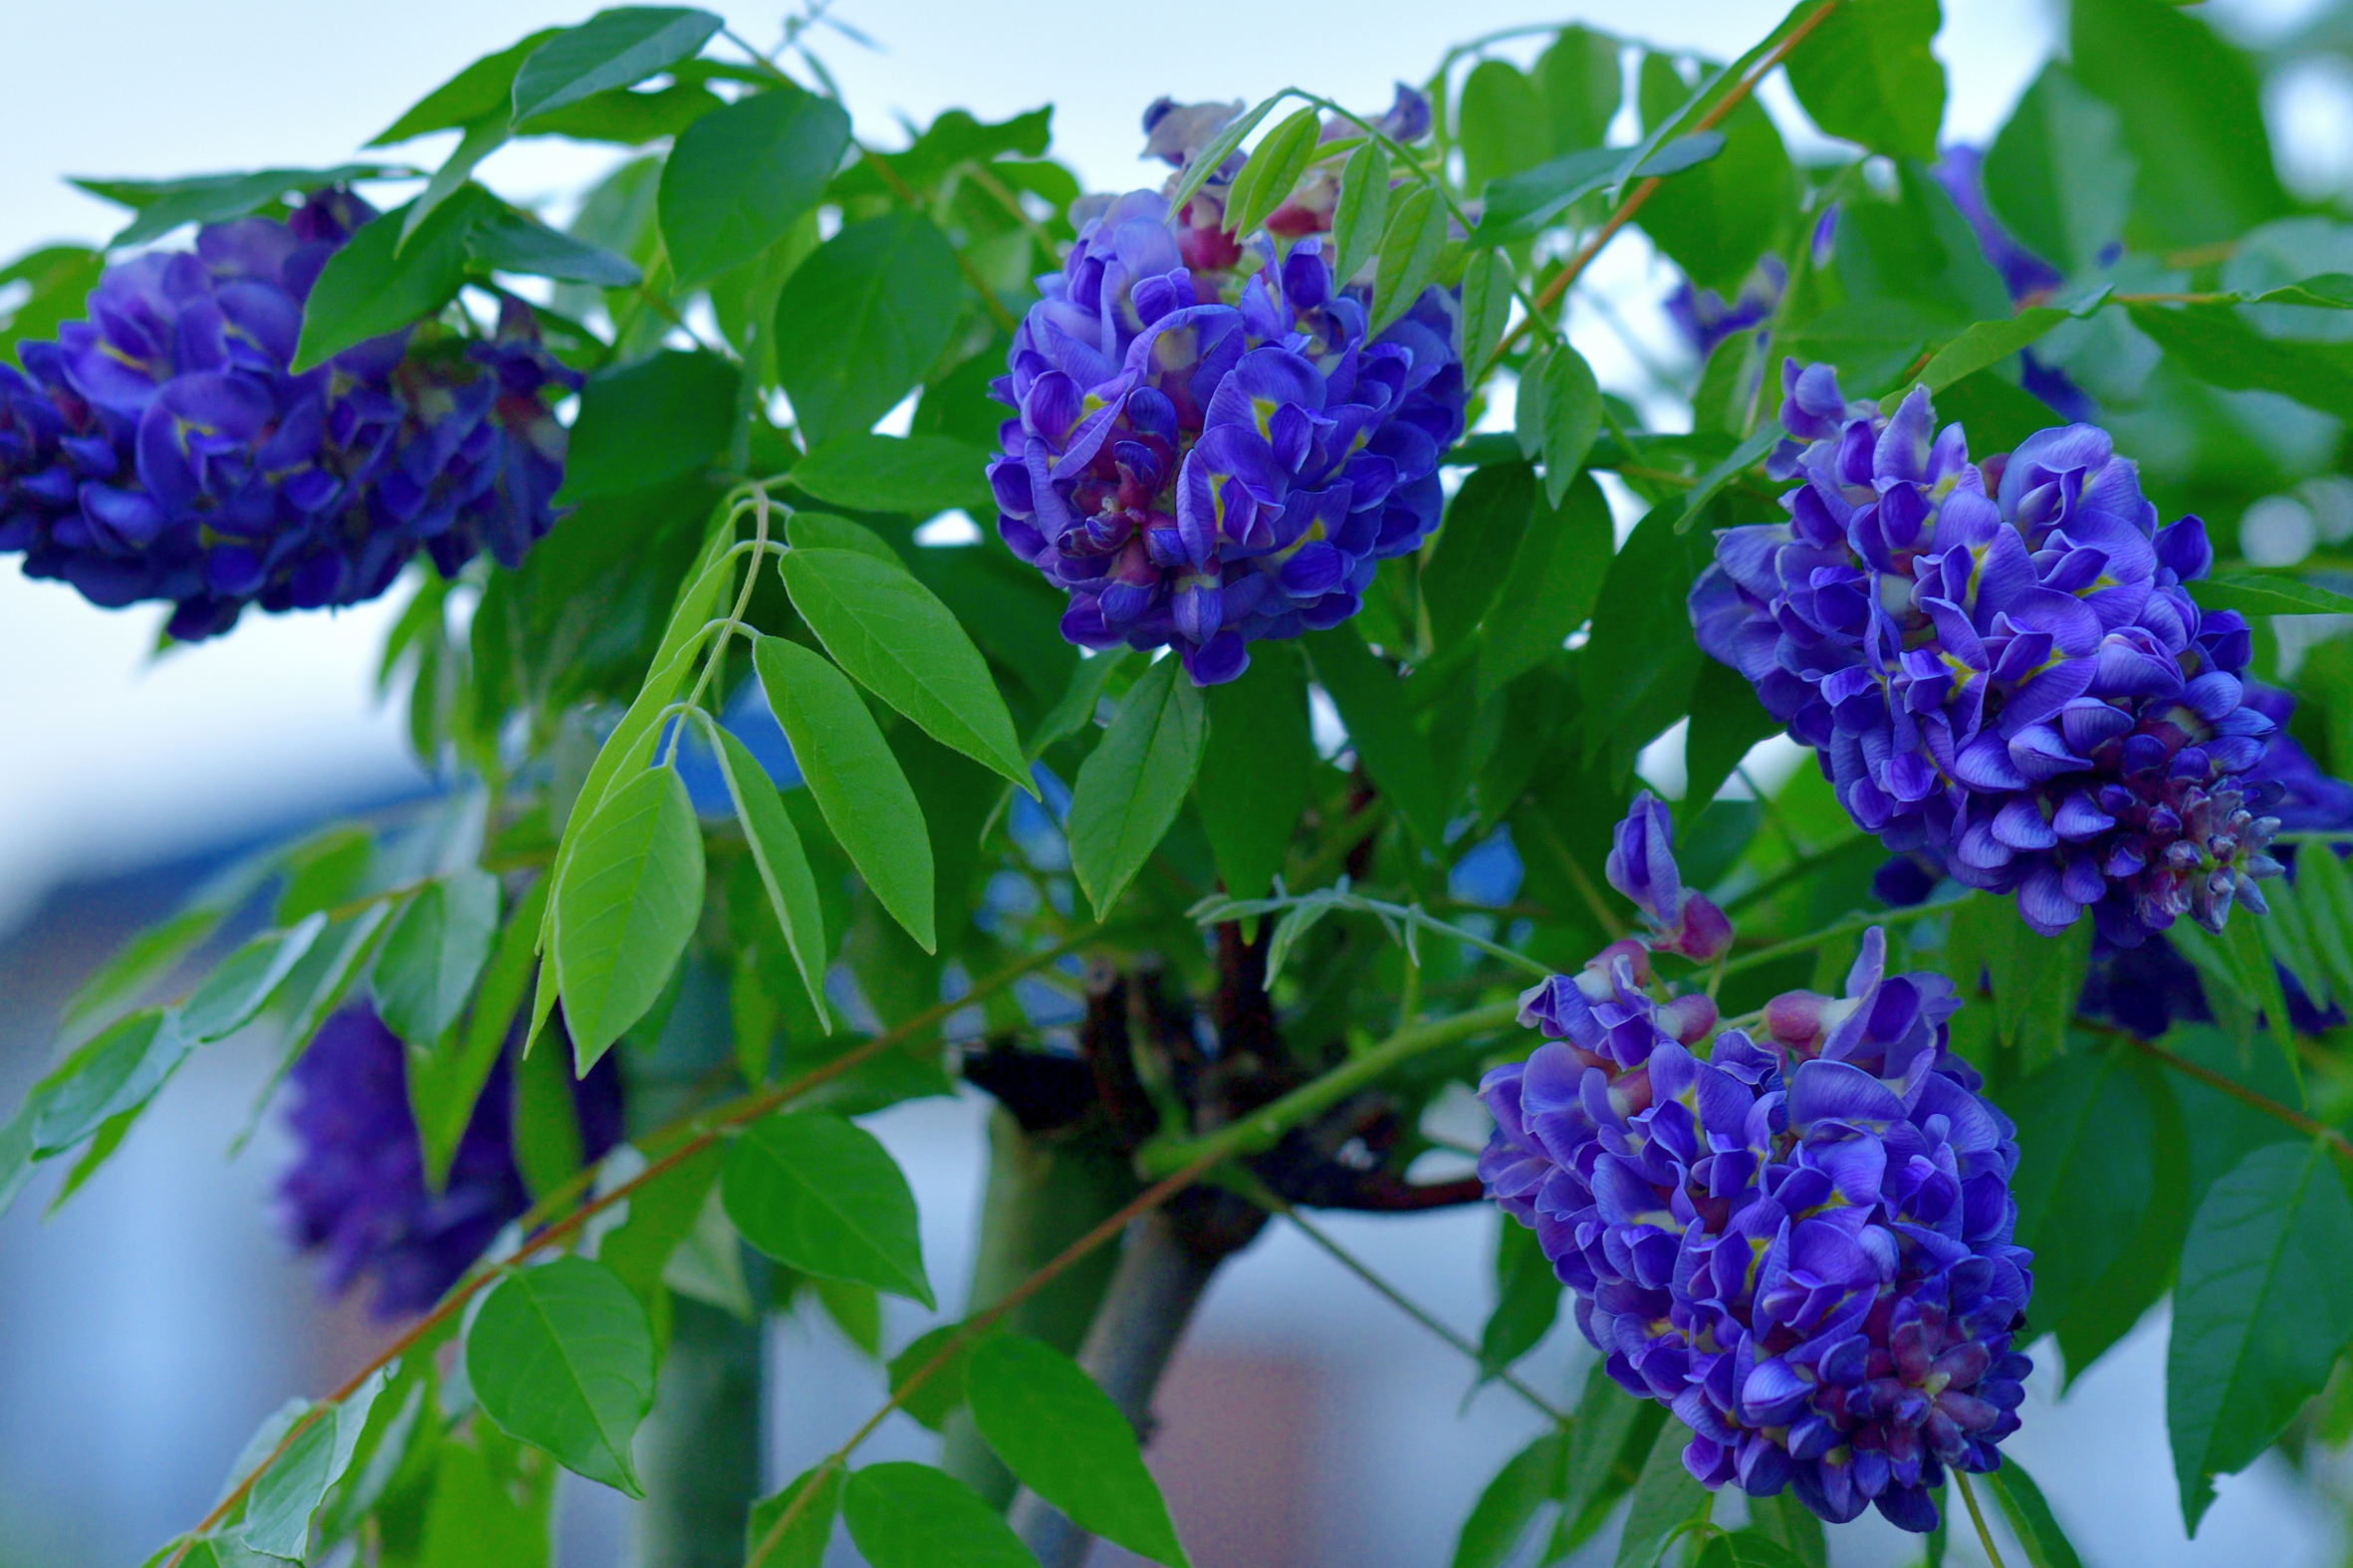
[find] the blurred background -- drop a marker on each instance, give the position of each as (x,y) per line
(149,1327)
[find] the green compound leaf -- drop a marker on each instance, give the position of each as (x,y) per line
(905,1515)
(895,637)
(612,49)
(630,900)
(863,318)
(2263,1306)
(1067,1442)
(857,782)
(1134,782)
(814,1191)
(561,1357)
(433,954)
(740,178)
(111,1074)
(247,978)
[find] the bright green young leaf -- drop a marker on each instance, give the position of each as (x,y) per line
(2263,594)
(1074,710)
(561,1357)
(1274,167)
(1665,1500)
(163,205)
(627,903)
(643,423)
(1134,782)
(612,49)
(277,1510)
(905,1515)
(1988,342)
(2031,1520)
(738,178)
(1570,420)
(1511,1502)
(433,954)
(863,318)
(941,1394)
(1583,83)
(1381,729)
(1208,161)
(1714,219)
(2219,348)
(2057,176)
(1867,74)
(1551,584)
(1528,1300)
(485,88)
(379,283)
(1258,770)
(823,530)
(444,1083)
(1496,114)
(918,475)
(504,240)
(803,1545)
(776,850)
(1408,253)
(245,981)
(812,1191)
(109,1075)
(2264,1307)
(1067,1442)
(1487,306)
(902,644)
(859,784)
(1362,211)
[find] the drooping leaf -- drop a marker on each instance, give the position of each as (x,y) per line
(1381,729)
(740,178)
(1487,306)
(626,907)
(1257,770)
(1067,1442)
(803,1545)
(433,954)
(2031,1520)
(483,88)
(1867,74)
(1408,253)
(1510,1504)
(165,205)
(918,475)
(2262,1310)
(1274,167)
(1134,782)
(895,637)
(863,318)
(111,1074)
(1552,587)
(812,1191)
(859,784)
(279,1508)
(560,1356)
(1571,418)
(379,283)
(784,866)
(1528,1300)
(1665,1500)
(615,48)
(639,424)
(1362,210)
(905,1515)
(504,240)
(444,1083)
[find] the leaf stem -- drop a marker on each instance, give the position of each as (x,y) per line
(1985,1536)
(759,506)
(1860,920)
(2306,1125)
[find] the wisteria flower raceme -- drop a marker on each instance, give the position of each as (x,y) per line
(164,449)
(1998,664)
(356,1192)
(1202,459)
(1800,1244)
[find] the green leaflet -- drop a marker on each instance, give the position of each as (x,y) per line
(902,644)
(803,1545)
(1726,721)
(1666,1499)
(628,902)
(484,88)
(1867,74)
(1529,1298)
(1362,211)
(165,205)
(1553,583)
(1381,729)
(905,1515)
(1065,1440)
(1510,1504)
(1257,770)
(2261,1312)
(663,417)
(857,781)
(560,1356)
(1408,253)
(2031,1520)
(381,281)
(740,178)
(1274,167)
(2268,594)
(277,1510)
(941,1394)
(863,318)
(445,1081)
(612,49)
(918,475)
(814,1191)
(113,1073)
(1134,782)
(784,866)
(433,953)
(2057,175)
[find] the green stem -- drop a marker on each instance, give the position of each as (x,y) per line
(1985,1536)
(1861,920)
(1259,1131)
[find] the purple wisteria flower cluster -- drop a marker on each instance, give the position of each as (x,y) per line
(1998,664)
(1205,454)
(356,1190)
(164,448)
(1799,1242)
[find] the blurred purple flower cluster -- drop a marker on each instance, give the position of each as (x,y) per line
(165,449)
(1999,665)
(1800,1244)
